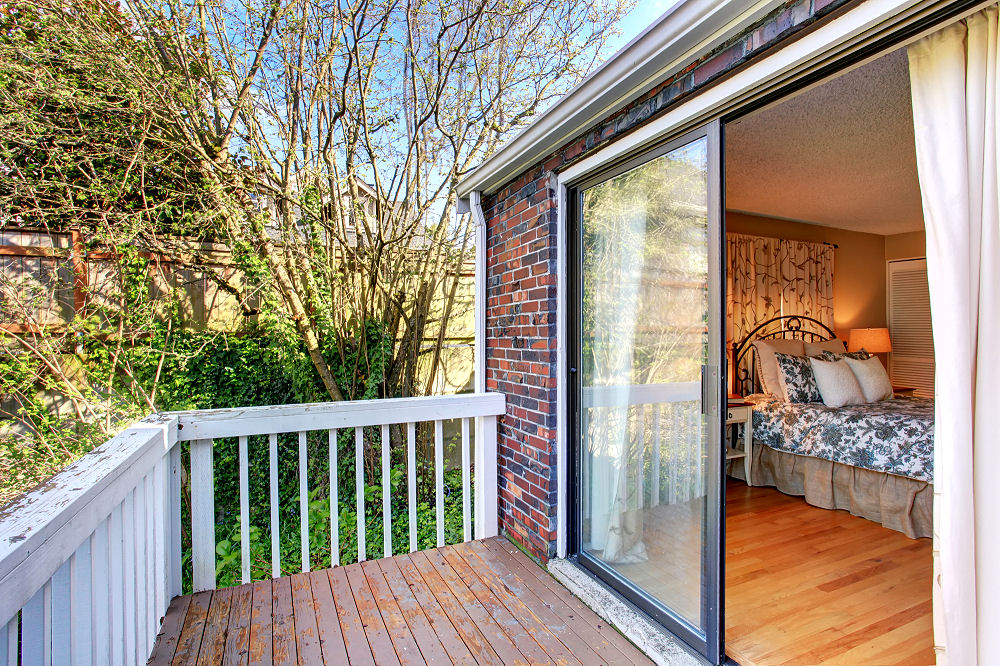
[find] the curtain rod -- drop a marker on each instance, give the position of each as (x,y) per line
(740,233)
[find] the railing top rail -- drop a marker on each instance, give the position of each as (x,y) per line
(39,530)
(217,423)
(640,394)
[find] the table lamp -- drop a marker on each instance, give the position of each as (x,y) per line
(872,340)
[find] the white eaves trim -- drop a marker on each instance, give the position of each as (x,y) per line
(683,33)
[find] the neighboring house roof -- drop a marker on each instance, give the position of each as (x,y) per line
(670,43)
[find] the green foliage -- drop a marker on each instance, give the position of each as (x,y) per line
(79,144)
(203,370)
(25,462)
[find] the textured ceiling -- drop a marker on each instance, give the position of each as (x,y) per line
(840,154)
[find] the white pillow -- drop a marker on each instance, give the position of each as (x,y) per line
(874,380)
(833,344)
(837,383)
(767,365)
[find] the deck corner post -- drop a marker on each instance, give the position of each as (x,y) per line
(487,472)
(202,515)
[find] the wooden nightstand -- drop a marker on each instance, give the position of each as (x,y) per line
(741,413)
(903,391)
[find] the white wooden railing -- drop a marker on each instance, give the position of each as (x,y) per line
(653,420)
(90,560)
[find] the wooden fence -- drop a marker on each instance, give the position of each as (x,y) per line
(48,277)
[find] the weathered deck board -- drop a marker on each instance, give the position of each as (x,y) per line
(477,602)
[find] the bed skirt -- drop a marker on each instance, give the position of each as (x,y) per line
(897,502)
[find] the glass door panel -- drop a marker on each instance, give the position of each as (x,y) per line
(649,472)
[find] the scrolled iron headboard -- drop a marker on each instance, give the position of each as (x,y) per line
(787,327)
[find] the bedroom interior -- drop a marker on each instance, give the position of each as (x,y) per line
(825,247)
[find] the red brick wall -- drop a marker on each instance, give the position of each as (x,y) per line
(521,355)
(521,281)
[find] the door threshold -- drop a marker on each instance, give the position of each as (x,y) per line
(647,635)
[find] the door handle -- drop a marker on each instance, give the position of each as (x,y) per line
(709,392)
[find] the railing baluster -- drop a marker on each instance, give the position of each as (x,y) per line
(272,444)
(149,585)
(202,515)
(34,621)
(304,498)
(62,615)
(115,589)
(654,490)
(134,611)
(411,481)
(641,440)
(100,590)
(676,437)
(128,570)
(359,485)
(466,483)
(439,479)
(80,589)
(172,489)
(386,495)
(244,466)
(334,500)
(9,642)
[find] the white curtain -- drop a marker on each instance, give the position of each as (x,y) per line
(954,87)
(615,458)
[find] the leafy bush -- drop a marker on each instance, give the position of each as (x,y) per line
(182,370)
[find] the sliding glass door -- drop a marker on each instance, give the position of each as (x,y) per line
(647,390)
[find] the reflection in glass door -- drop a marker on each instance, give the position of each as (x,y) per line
(648,357)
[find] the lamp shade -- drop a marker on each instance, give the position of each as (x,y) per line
(872,340)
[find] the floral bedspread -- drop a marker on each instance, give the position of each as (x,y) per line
(895,436)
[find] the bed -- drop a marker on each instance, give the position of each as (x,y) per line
(875,460)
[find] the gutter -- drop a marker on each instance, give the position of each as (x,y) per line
(679,36)
(474,205)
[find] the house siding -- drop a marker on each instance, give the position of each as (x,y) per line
(521,220)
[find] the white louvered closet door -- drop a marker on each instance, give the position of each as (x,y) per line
(911,362)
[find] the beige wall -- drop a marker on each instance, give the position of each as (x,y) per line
(905,246)
(858,266)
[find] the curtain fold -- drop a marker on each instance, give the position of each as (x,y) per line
(617,262)
(953,76)
(769,277)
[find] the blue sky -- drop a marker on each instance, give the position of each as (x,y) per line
(644,13)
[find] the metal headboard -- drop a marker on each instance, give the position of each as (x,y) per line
(787,327)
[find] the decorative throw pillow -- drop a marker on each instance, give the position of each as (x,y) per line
(837,383)
(767,366)
(835,345)
(797,380)
(861,354)
(874,380)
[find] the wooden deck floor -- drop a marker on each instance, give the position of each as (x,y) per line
(480,602)
(806,585)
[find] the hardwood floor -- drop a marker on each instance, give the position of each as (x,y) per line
(806,585)
(480,602)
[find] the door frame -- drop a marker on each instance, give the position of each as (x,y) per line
(713,529)
(854,37)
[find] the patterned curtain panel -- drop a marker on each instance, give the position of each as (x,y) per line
(769,277)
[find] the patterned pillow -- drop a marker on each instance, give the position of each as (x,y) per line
(860,355)
(797,378)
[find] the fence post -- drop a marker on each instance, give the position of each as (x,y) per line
(80,277)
